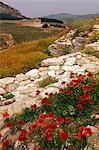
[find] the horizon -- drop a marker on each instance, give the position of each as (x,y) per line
(81,7)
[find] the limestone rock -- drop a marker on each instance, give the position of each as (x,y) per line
(52,62)
(2,91)
(51,73)
(33,73)
(56,68)
(6,81)
(43,73)
(21,77)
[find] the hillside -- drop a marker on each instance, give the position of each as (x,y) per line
(7,12)
(71,17)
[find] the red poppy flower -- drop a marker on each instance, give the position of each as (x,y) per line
(79,106)
(63,136)
(52,126)
(79,136)
(49,102)
(52,149)
(0,135)
(89,74)
(22,135)
(67,120)
(37,92)
(49,136)
(9,124)
(87,88)
(74,148)
(86,96)
(34,126)
(43,116)
(6,115)
(34,106)
(68,92)
(39,148)
(40,121)
(21,122)
(61,90)
(5,144)
(51,94)
(94,83)
(59,120)
(44,100)
(81,77)
(86,131)
(63,82)
(91,102)
(50,115)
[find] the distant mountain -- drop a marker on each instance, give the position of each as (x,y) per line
(70,17)
(7,12)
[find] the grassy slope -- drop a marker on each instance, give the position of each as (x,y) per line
(26,33)
(23,57)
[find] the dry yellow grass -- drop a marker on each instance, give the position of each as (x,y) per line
(23,57)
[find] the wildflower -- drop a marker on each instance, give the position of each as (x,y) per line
(51,94)
(9,124)
(43,116)
(49,103)
(91,102)
(81,77)
(63,136)
(79,106)
(79,136)
(21,122)
(6,115)
(44,100)
(0,135)
(68,92)
(50,115)
(89,74)
(94,83)
(51,126)
(61,90)
(5,144)
(59,120)
(74,148)
(86,96)
(87,88)
(34,106)
(34,126)
(67,120)
(49,136)
(37,92)
(22,135)
(86,131)
(39,148)
(63,82)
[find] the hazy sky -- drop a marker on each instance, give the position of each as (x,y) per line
(37,8)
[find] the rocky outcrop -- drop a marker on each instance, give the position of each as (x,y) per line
(6,40)
(94,45)
(68,44)
(25,86)
(7,12)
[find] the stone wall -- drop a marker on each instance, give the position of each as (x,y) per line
(25,86)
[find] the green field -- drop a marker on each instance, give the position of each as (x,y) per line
(26,33)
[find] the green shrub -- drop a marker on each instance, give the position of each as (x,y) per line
(83,25)
(8,96)
(93,37)
(47,81)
